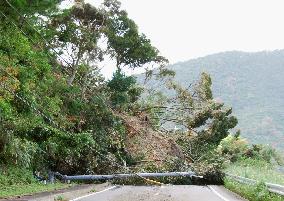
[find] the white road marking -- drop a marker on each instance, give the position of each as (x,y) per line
(218,194)
(79,198)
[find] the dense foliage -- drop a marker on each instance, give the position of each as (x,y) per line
(124,90)
(56,108)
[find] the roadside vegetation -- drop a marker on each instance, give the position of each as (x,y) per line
(17,182)
(57,111)
(252,192)
(258,170)
(258,162)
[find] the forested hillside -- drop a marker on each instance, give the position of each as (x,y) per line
(252,83)
(57,111)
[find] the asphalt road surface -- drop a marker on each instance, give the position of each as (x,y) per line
(162,193)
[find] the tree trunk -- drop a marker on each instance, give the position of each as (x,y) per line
(75,68)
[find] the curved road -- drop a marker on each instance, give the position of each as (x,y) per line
(163,193)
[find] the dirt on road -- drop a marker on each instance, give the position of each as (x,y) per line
(164,193)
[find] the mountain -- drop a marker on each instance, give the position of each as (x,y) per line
(252,83)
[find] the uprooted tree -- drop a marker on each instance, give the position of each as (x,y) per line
(201,122)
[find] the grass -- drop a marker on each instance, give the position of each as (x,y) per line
(256,169)
(252,192)
(60,198)
(18,182)
(20,190)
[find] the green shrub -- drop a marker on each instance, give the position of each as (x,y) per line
(233,147)
(124,90)
(20,152)
(236,148)
(266,153)
(70,153)
(16,181)
(15,176)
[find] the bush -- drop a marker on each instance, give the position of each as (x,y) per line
(15,176)
(264,152)
(71,153)
(20,152)
(233,147)
(124,90)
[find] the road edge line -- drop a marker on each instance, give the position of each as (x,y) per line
(218,194)
(107,189)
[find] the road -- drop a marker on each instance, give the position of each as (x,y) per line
(163,193)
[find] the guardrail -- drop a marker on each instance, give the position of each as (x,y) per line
(280,169)
(273,188)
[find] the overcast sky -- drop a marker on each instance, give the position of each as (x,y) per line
(185,29)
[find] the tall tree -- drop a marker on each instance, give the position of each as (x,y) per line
(76,33)
(126,45)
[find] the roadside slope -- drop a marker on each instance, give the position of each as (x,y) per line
(148,145)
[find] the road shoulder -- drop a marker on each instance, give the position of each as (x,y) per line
(66,194)
(225,194)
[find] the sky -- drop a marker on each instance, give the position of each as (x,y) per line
(186,29)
